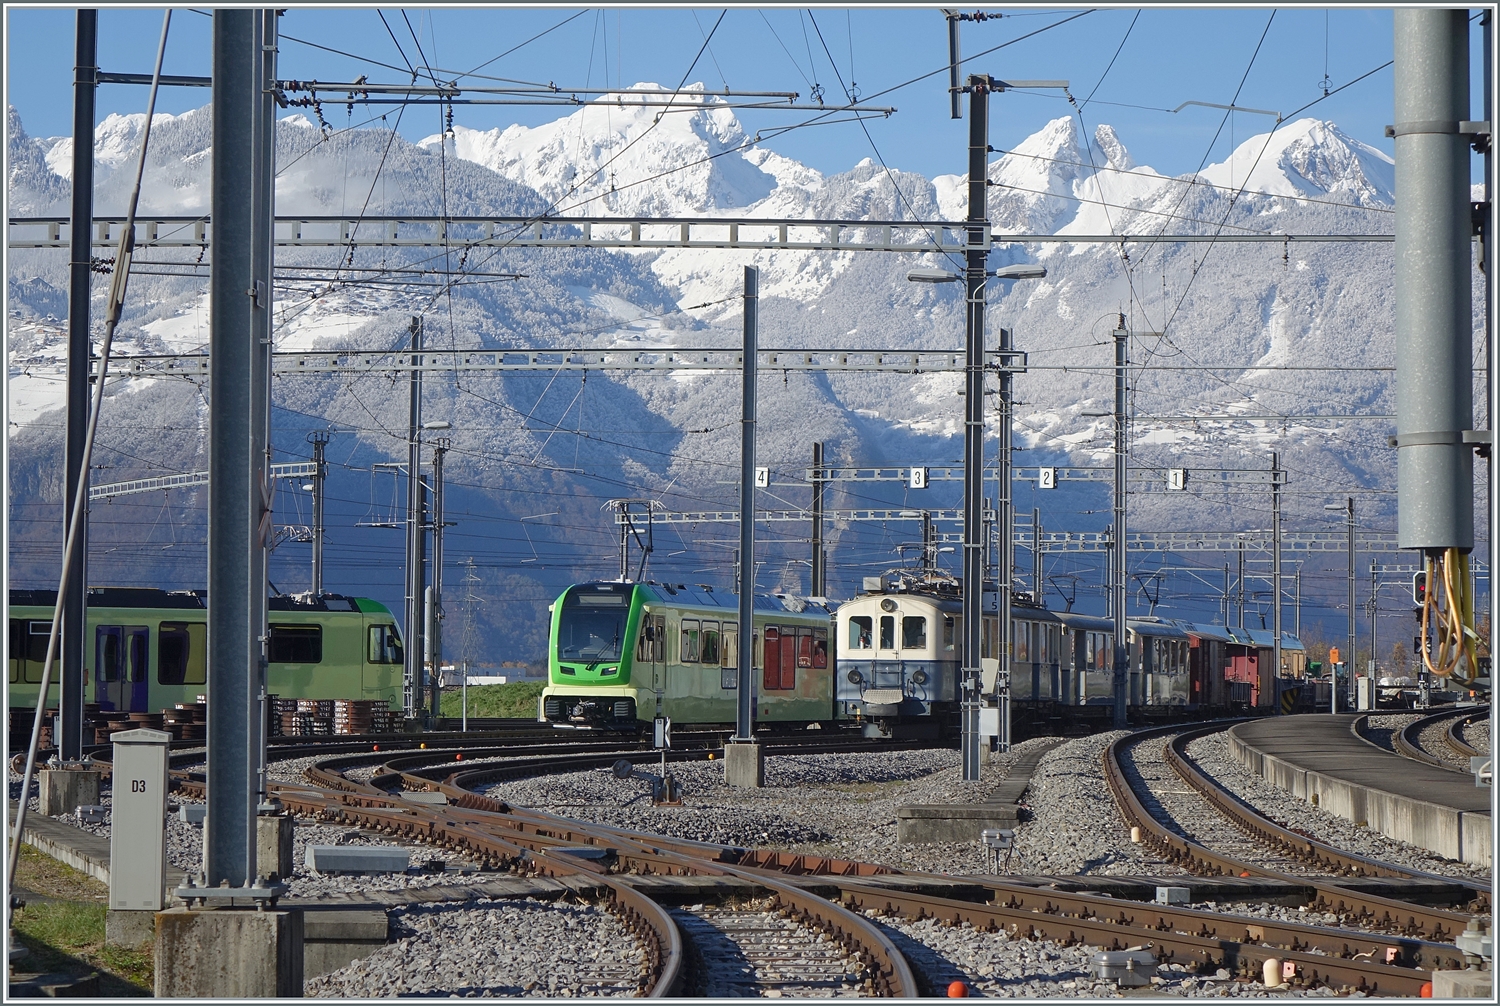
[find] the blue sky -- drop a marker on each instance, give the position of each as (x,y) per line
(1171,55)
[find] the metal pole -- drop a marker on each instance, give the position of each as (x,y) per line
(435,607)
(1276,565)
(818,579)
(1434,301)
(239,516)
(973,557)
(1117,555)
(1353,621)
(466,697)
(1239,587)
(319,439)
(412,673)
(1036,553)
(745,700)
(1226,595)
(1492,391)
(73,634)
(1374,609)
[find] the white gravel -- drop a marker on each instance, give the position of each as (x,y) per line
(1434,740)
(1381,728)
(1212,754)
(1001,966)
(494,948)
(1478,736)
(837,805)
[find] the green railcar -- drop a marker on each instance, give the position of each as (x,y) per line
(622,654)
(148,648)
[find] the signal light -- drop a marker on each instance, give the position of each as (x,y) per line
(1419,588)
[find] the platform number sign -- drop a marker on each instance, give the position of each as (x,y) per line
(1046,478)
(762,478)
(1177,479)
(918,478)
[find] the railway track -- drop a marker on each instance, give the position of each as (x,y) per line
(754,950)
(1368,911)
(1447,749)
(840,899)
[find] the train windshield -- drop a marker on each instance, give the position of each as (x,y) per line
(592,626)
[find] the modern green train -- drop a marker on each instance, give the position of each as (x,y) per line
(622,654)
(149,648)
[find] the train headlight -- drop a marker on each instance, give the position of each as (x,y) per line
(855,677)
(919,678)
(888,605)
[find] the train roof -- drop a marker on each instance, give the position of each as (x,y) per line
(155,597)
(1237,636)
(702,595)
(1077,620)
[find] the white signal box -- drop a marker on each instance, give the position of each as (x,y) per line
(1177,478)
(918,478)
(138,829)
(762,478)
(1046,478)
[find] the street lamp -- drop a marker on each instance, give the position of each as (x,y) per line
(974,277)
(1348,509)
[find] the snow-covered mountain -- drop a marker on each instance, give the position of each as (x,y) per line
(1236,308)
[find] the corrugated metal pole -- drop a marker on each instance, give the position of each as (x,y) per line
(745,701)
(1434,299)
(1276,572)
(435,606)
(1117,556)
(973,557)
(244,66)
(74,629)
(319,439)
(412,673)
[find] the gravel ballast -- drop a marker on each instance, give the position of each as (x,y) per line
(494,948)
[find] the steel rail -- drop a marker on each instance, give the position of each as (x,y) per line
(1408,740)
(1370,910)
(1454,736)
(1404,952)
(1285,841)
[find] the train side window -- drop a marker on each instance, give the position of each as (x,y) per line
(820,648)
(296,644)
(687,650)
(789,658)
(643,640)
(659,639)
(708,652)
(1022,642)
(385,645)
(804,648)
(109,655)
(859,632)
(914,632)
(771,673)
(729,646)
(887,632)
(37,634)
(15,650)
(181,653)
(950,633)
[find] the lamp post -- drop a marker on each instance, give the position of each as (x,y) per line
(973,558)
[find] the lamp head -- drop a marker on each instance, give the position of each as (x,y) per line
(1021,271)
(931,276)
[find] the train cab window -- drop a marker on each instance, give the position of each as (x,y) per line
(687,649)
(385,645)
(820,648)
(708,650)
(887,632)
(950,633)
(859,633)
(914,632)
(182,653)
(643,640)
(296,644)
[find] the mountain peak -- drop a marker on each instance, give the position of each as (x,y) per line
(1309,157)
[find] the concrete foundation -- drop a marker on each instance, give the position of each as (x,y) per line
(1463,985)
(744,765)
(129,928)
(962,822)
(335,939)
(229,953)
(64,790)
(273,846)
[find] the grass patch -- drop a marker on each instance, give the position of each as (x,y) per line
(512,700)
(67,937)
(39,872)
